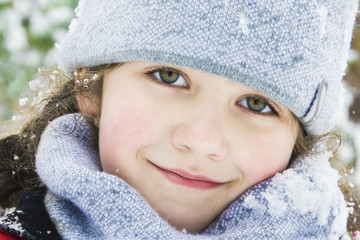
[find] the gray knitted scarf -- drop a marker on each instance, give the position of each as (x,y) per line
(84,202)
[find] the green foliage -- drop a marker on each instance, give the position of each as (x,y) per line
(28,33)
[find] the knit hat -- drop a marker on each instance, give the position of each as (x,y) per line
(291,51)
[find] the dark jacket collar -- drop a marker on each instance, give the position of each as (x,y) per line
(30,219)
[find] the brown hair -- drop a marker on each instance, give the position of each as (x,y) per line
(17,151)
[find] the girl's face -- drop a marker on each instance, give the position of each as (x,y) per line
(190,142)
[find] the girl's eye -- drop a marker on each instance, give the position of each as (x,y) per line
(170,77)
(256,104)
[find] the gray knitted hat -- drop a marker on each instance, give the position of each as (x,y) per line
(292,51)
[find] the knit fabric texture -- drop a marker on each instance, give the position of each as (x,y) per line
(283,49)
(303,202)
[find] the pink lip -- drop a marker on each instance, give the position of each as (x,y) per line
(186,179)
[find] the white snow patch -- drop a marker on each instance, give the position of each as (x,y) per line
(243,24)
(277,206)
(251,202)
(310,187)
(322,11)
(23,101)
(34,84)
(13,225)
(94,77)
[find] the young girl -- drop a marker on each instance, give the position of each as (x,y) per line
(185,120)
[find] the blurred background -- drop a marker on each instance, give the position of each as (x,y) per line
(29,30)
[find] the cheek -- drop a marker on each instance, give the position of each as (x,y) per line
(266,156)
(125,129)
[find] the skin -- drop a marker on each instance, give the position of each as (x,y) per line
(202,125)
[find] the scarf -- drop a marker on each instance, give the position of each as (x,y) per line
(303,202)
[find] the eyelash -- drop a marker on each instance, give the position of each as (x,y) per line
(151,75)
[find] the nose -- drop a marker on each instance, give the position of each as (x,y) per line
(203,136)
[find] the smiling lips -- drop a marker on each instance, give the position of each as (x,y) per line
(186,179)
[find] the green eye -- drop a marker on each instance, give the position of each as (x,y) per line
(256,104)
(168,76)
